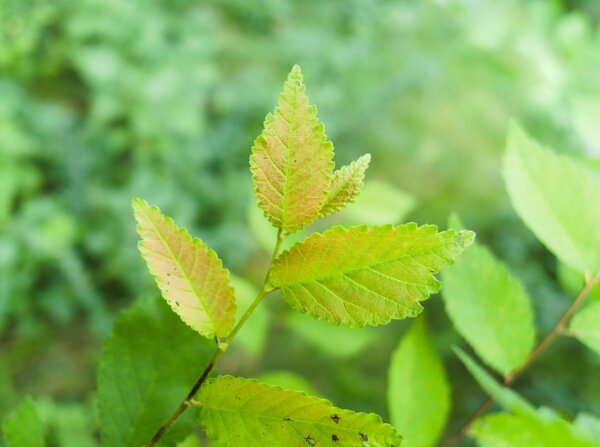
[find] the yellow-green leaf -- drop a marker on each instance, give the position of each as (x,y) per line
(23,427)
(346,185)
(240,412)
(190,276)
(418,390)
(366,275)
(291,160)
(586,326)
(558,199)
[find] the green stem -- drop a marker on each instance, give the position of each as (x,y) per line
(559,329)
(188,401)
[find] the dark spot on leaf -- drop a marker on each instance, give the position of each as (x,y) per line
(335,418)
(310,441)
(363,437)
(286,419)
(335,438)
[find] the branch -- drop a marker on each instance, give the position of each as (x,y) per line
(221,347)
(542,346)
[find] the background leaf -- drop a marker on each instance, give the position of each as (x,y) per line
(291,160)
(557,198)
(363,275)
(542,425)
(346,185)
(585,326)
(240,412)
(253,334)
(418,391)
(147,366)
(490,309)
(190,276)
(23,427)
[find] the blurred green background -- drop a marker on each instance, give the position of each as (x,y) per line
(105,100)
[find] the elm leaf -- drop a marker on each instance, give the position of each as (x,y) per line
(585,326)
(490,309)
(346,185)
(291,161)
(558,199)
(190,276)
(366,275)
(23,427)
(239,412)
(418,390)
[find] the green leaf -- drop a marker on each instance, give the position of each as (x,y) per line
(253,334)
(291,160)
(544,429)
(539,424)
(346,185)
(586,326)
(418,391)
(240,412)
(148,365)
(589,425)
(366,275)
(23,427)
(490,309)
(557,198)
(379,203)
(190,276)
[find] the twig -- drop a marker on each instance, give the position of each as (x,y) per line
(221,347)
(559,329)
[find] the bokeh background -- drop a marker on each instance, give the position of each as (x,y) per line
(105,100)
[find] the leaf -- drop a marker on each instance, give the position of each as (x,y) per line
(589,425)
(366,275)
(288,380)
(190,276)
(379,203)
(346,185)
(23,427)
(148,365)
(240,412)
(490,309)
(291,160)
(557,198)
(585,326)
(542,424)
(545,429)
(418,390)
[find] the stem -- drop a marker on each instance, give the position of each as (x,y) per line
(542,346)
(221,346)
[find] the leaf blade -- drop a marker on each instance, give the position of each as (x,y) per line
(326,278)
(190,276)
(557,198)
(585,326)
(147,366)
(417,370)
(23,427)
(490,309)
(291,161)
(346,185)
(245,413)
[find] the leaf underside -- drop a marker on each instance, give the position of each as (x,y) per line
(490,309)
(346,185)
(190,276)
(291,160)
(366,275)
(557,198)
(240,412)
